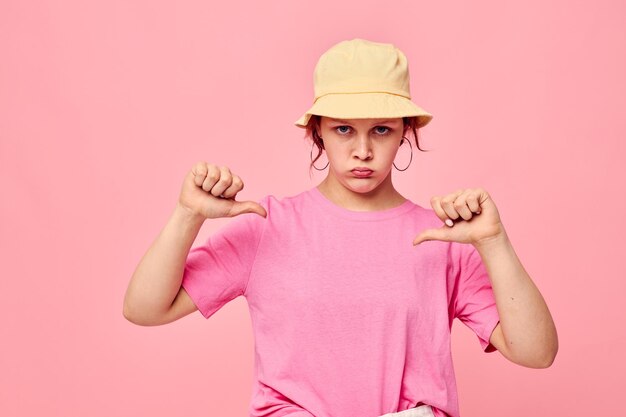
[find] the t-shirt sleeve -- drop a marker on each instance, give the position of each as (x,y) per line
(475,304)
(217,271)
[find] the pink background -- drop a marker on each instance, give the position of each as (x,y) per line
(104,106)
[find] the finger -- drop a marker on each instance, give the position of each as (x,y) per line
(248,207)
(235,187)
(472,202)
(435,202)
(226,179)
(447,204)
(212,176)
(440,233)
(461,207)
(199,171)
(422,237)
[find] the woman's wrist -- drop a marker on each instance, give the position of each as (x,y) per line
(188,216)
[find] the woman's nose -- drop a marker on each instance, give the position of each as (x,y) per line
(364,147)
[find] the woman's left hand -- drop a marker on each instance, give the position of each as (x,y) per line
(471,216)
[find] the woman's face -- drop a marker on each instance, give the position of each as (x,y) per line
(361,143)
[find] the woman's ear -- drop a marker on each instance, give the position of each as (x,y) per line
(410,121)
(318,126)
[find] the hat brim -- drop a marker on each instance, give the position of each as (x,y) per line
(365,106)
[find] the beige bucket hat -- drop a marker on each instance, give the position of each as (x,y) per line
(361,79)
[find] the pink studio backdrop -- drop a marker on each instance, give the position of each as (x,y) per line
(104,106)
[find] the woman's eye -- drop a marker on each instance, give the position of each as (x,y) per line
(345,129)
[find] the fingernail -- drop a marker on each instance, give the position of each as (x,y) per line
(449,222)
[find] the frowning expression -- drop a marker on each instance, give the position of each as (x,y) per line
(361,143)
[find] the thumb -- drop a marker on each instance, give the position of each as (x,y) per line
(240,207)
(440,233)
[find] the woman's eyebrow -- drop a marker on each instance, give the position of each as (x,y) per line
(377,122)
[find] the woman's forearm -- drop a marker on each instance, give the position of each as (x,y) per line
(158,276)
(526,323)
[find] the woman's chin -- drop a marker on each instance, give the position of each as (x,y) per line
(362,185)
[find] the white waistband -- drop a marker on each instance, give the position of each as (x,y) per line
(420,411)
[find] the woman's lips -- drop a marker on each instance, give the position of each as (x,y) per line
(362,173)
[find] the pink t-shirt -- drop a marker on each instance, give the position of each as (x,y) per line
(349,318)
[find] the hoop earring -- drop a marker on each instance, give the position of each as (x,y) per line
(411,146)
(312,158)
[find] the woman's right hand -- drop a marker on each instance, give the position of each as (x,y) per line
(209,191)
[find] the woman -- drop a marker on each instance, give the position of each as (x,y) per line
(349,318)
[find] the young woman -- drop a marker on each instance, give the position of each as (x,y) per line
(352,288)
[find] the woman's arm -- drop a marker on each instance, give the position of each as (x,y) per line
(154,295)
(526,334)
